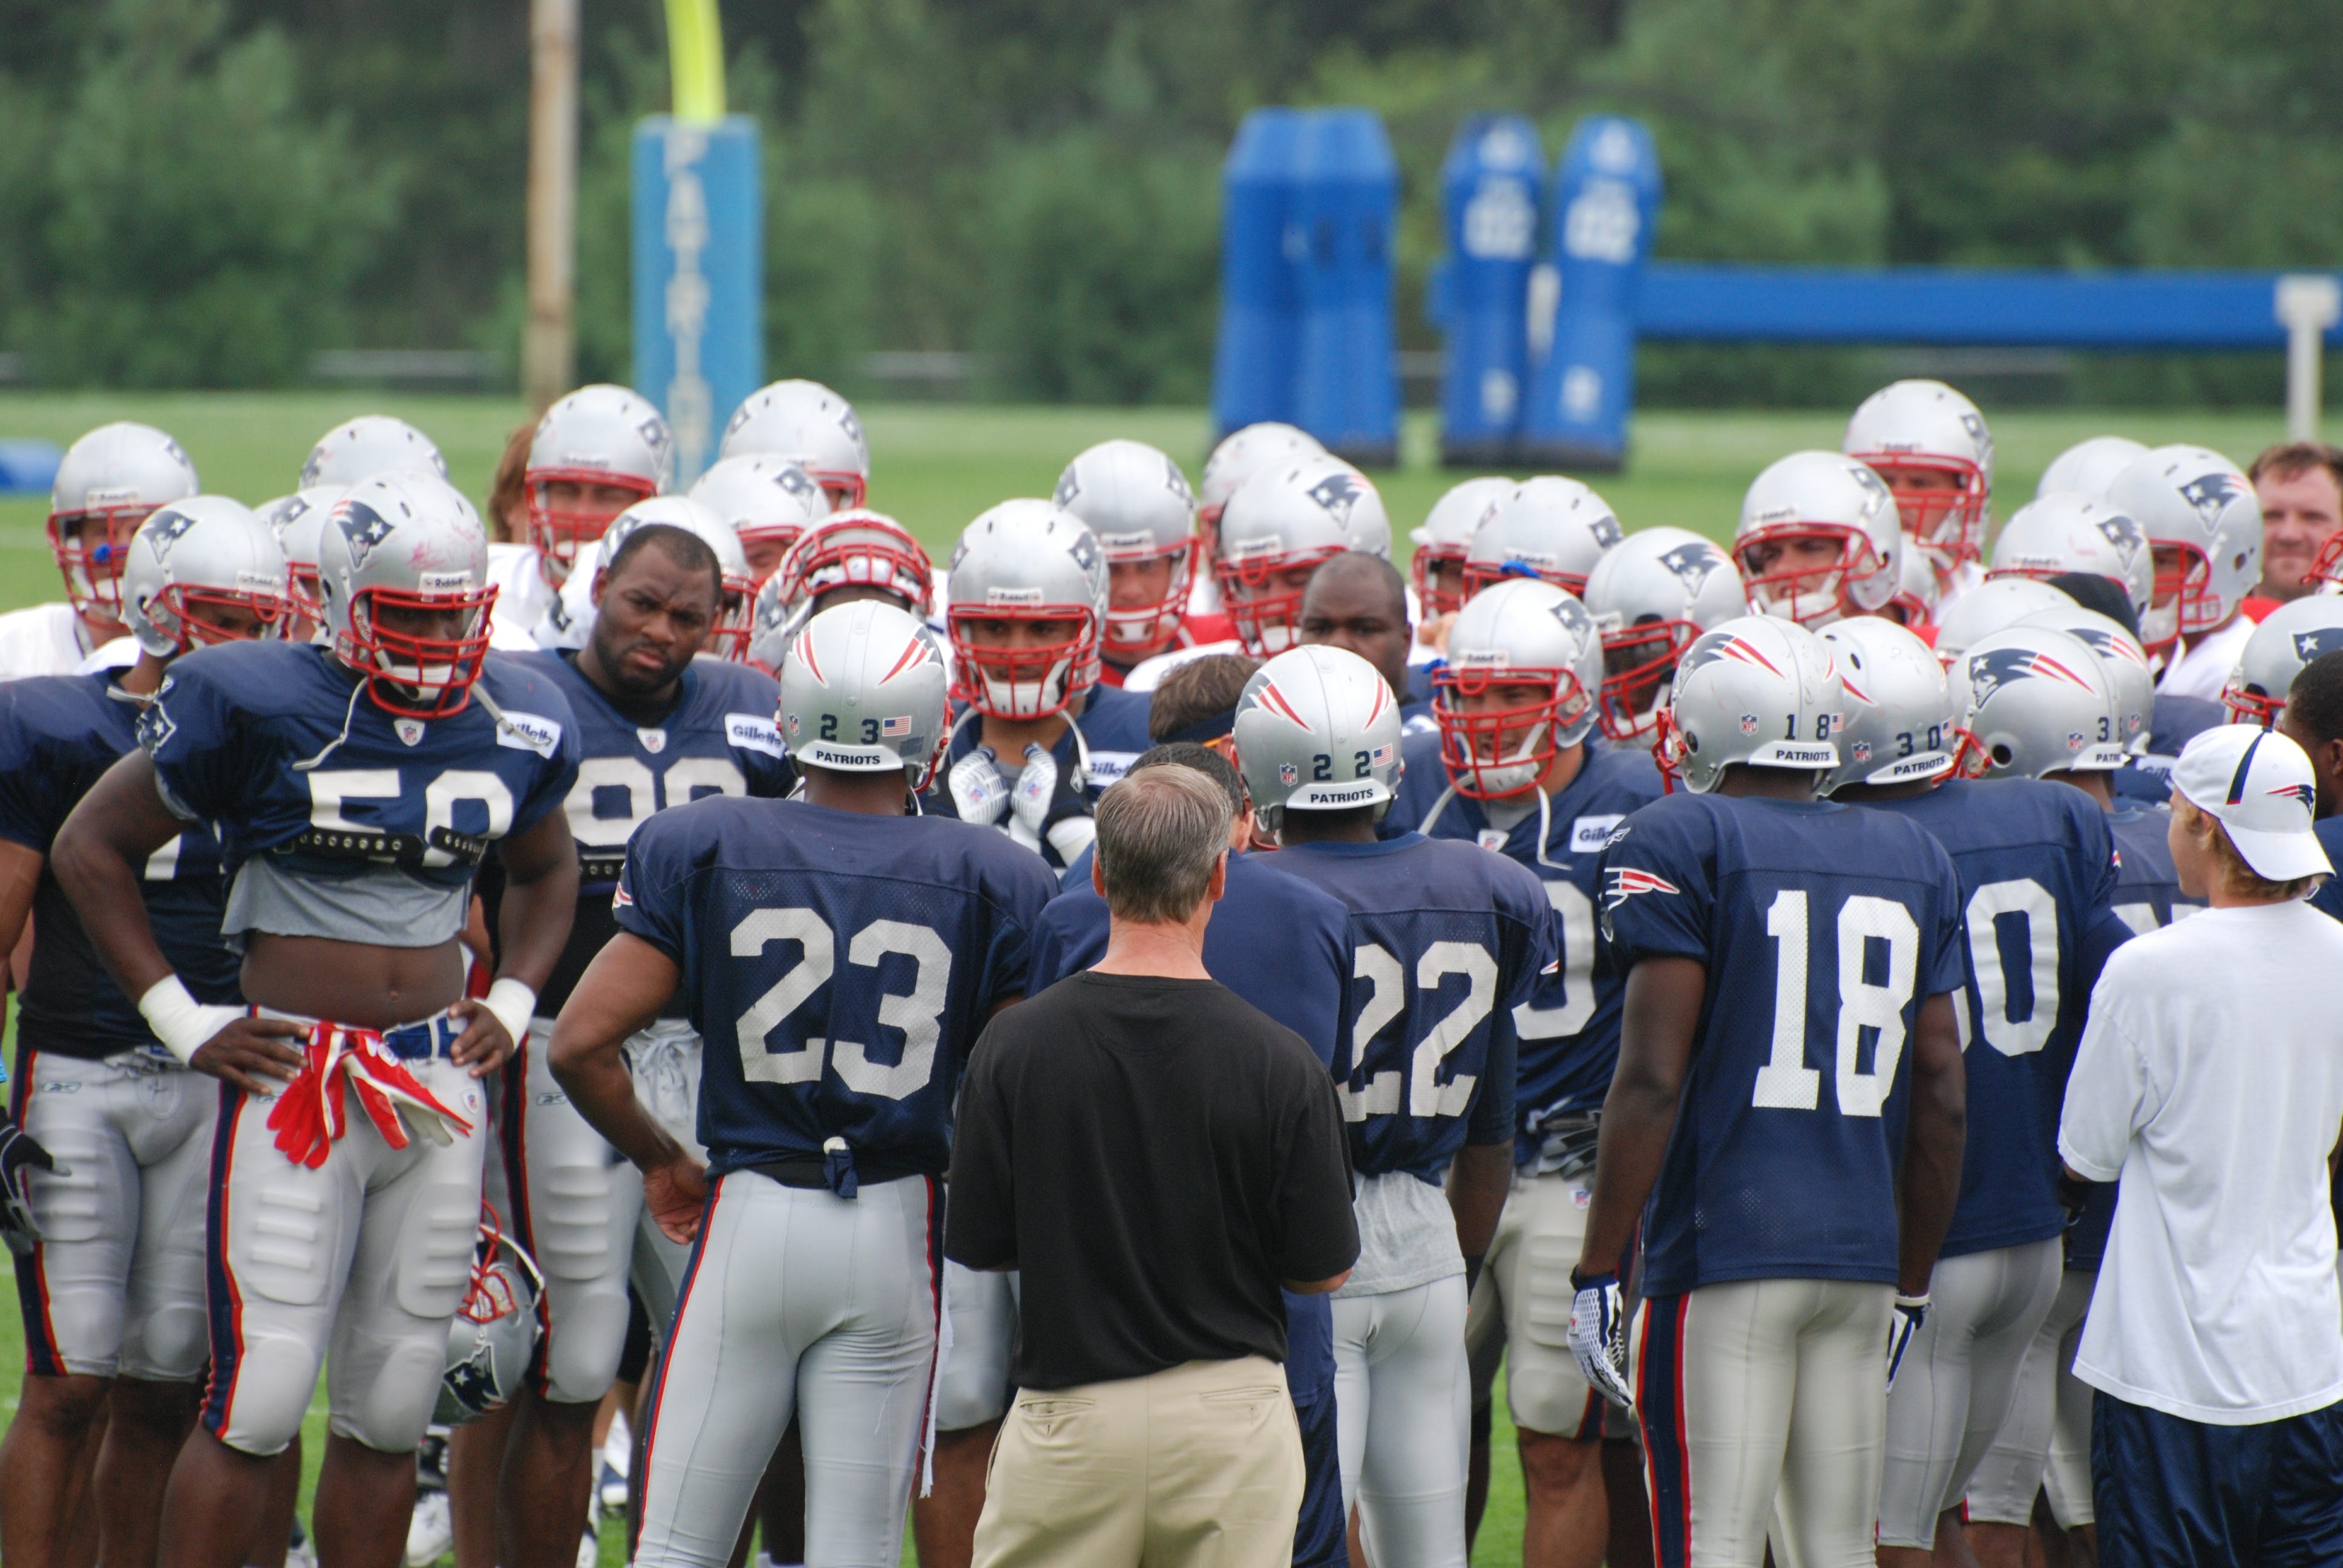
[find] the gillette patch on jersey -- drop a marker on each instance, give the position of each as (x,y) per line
(751,733)
(529,732)
(1589,834)
(1108,766)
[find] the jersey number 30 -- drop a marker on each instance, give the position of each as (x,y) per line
(1785,1082)
(919,1014)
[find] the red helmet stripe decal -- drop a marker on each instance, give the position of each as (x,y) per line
(1736,648)
(804,650)
(914,653)
(1269,697)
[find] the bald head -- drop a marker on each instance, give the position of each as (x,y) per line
(1359,603)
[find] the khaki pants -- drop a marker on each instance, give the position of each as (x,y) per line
(1199,1464)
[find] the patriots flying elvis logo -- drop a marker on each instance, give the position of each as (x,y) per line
(1606,530)
(168,529)
(2209,493)
(1692,564)
(1624,882)
(363,527)
(1068,488)
(2310,645)
(1991,670)
(2126,536)
(2303,793)
(1338,493)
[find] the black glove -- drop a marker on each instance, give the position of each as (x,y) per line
(20,1154)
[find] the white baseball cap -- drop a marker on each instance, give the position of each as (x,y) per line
(2260,786)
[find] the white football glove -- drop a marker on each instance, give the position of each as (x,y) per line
(1598,1336)
(978,792)
(1905,1321)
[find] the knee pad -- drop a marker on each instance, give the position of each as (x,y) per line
(389,1408)
(260,1390)
(169,1346)
(585,1334)
(435,1263)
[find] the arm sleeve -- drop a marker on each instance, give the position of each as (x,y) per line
(981,1212)
(1321,1234)
(649,901)
(2107,1089)
(1657,888)
(203,767)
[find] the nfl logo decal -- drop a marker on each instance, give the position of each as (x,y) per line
(1492,839)
(1862,749)
(1748,724)
(1287,773)
(2074,740)
(410,730)
(654,740)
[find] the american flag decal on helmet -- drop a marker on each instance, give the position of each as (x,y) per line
(1382,756)
(1624,882)
(892,727)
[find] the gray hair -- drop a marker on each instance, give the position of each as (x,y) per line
(1159,831)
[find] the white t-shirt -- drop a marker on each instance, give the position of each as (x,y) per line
(41,639)
(523,596)
(2205,666)
(2210,1082)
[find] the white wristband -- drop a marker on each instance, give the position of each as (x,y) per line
(182,1023)
(514,1003)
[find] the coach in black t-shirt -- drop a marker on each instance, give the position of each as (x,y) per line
(1157,1158)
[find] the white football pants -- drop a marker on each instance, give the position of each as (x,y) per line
(2045,1441)
(1403,1418)
(974,1386)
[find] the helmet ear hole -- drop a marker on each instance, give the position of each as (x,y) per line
(2002,754)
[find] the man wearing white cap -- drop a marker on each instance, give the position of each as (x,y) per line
(2209,1082)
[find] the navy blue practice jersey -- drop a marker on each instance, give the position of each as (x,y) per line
(2328,896)
(1282,944)
(717,737)
(2037,869)
(1446,942)
(57,735)
(1569,1029)
(278,745)
(838,968)
(1823,929)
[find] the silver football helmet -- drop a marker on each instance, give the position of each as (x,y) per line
(493,1336)
(1654,593)
(812,425)
(1520,633)
(368,445)
(1757,690)
(2129,671)
(1900,724)
(1244,453)
(2202,519)
(2288,637)
(1446,535)
(299,520)
(1931,445)
(1278,529)
(1137,503)
(1027,606)
(570,624)
(1991,606)
(411,545)
(205,553)
(601,436)
(1317,730)
(1819,539)
(863,692)
(1548,528)
(2067,531)
(770,501)
(108,483)
(857,549)
(2034,701)
(2088,467)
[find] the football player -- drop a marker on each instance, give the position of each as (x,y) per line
(1549,527)
(845,558)
(2288,637)
(1818,540)
(1515,771)
(1788,1097)
(1358,603)
(1039,737)
(368,445)
(2044,1446)
(2037,880)
(354,789)
(1275,532)
(1238,457)
(1449,942)
(2066,531)
(1137,502)
(2204,526)
(1437,567)
(298,520)
(112,1280)
(1284,946)
(770,502)
(810,425)
(839,955)
(1931,446)
(108,482)
(1661,589)
(2090,466)
(569,626)
(657,727)
(596,452)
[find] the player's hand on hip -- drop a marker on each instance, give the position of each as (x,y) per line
(21,1154)
(258,1055)
(1598,1336)
(485,1044)
(675,1193)
(1905,1321)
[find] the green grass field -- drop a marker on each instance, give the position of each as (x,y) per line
(935,466)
